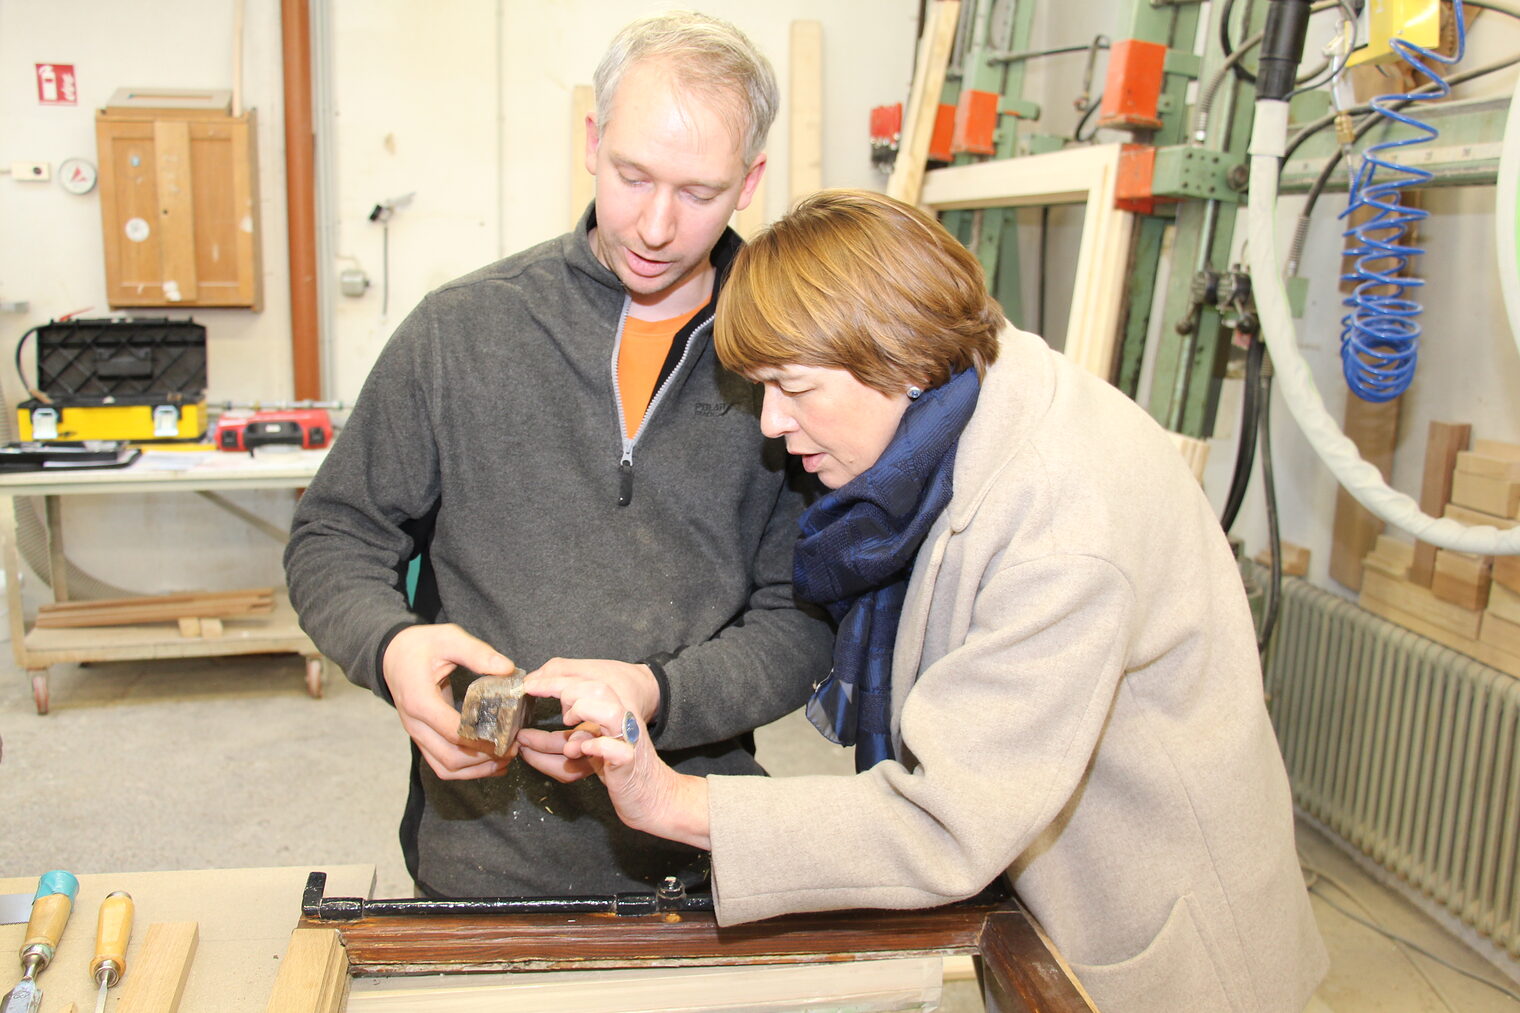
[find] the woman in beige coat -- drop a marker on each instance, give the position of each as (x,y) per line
(1046,663)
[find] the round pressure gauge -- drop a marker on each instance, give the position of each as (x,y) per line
(76,175)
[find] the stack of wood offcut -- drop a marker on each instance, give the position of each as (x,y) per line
(1469,603)
(198,613)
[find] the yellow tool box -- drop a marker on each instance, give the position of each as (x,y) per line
(140,380)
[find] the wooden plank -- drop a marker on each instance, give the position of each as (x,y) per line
(176,210)
(1504,603)
(1011,945)
(1507,572)
(1410,597)
(1477,518)
(1490,495)
(1462,579)
(1487,653)
(1497,448)
(1505,469)
(1374,428)
(156,982)
(1194,451)
(313,975)
(901,984)
(1501,633)
(907,178)
(1295,559)
(752,219)
(178,596)
(805,147)
(1390,556)
(1445,441)
(582,182)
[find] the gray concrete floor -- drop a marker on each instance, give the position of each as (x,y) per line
(191,764)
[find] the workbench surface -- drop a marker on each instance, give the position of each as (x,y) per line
(245,917)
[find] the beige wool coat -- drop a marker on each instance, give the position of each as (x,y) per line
(1076,700)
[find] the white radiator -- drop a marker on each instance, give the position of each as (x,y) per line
(1407,749)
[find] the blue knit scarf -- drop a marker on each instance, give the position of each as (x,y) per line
(856,553)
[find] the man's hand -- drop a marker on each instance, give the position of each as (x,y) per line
(610,739)
(630,687)
(417,665)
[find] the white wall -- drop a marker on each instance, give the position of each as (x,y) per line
(416,110)
(416,107)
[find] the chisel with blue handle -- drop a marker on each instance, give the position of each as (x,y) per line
(50,913)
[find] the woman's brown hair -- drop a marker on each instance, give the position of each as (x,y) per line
(855,280)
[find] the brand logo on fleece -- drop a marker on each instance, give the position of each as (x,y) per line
(712,410)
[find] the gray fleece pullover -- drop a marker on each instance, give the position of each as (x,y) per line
(487,436)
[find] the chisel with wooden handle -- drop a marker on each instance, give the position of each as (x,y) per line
(50,913)
(112,930)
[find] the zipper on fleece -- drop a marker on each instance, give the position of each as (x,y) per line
(625,461)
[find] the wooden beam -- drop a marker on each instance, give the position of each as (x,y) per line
(806,115)
(1445,441)
(313,974)
(582,183)
(156,981)
(1374,428)
(919,111)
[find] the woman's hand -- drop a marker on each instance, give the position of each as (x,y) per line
(609,739)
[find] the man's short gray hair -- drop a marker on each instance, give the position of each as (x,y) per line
(707,56)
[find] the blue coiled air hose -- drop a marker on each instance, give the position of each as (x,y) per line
(1380,336)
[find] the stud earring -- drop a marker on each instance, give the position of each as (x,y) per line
(914,393)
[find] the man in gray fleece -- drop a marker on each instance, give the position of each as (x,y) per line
(498,436)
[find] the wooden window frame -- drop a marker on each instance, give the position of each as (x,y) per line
(1086,175)
(1020,969)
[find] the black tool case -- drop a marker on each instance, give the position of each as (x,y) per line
(139,380)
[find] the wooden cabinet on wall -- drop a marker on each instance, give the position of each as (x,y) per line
(179,205)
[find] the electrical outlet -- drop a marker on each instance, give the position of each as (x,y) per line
(31,172)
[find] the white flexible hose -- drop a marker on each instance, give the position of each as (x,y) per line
(1507,216)
(1361,480)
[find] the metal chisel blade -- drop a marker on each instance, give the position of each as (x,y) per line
(26,997)
(15,908)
